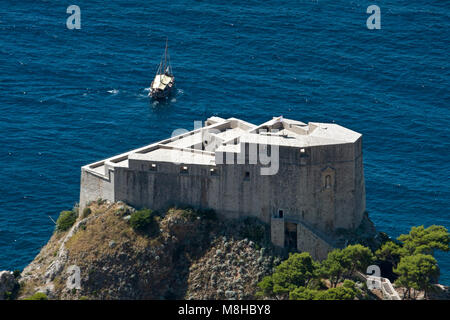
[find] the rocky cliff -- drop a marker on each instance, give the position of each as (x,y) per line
(192,256)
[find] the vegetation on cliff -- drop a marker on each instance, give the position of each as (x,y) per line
(301,278)
(120,253)
(66,220)
(410,258)
(112,251)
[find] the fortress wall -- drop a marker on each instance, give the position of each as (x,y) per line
(277,232)
(260,195)
(297,189)
(360,186)
(332,153)
(238,196)
(167,186)
(310,242)
(95,186)
(346,209)
(300,191)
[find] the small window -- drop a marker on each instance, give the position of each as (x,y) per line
(153,167)
(247,175)
(280,213)
(213,171)
(184,170)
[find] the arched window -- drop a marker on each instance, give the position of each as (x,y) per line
(327,182)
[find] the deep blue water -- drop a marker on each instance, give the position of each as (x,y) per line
(71,97)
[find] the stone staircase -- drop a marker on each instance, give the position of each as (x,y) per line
(383,284)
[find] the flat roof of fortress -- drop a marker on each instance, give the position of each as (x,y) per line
(225,135)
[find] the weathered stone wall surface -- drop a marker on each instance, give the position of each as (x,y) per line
(310,242)
(277,232)
(95,186)
(166,186)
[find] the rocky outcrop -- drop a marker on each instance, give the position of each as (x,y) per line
(191,257)
(7,284)
(231,269)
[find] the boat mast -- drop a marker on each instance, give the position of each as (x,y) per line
(165,57)
(168,62)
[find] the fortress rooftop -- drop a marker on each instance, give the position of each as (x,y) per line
(225,135)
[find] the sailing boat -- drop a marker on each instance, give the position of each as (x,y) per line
(164,81)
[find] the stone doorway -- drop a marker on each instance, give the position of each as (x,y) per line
(290,235)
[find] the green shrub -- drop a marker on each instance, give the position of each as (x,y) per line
(66,220)
(417,272)
(342,263)
(339,293)
(139,220)
(299,270)
(302,293)
(86,212)
(38,296)
(426,240)
(83,298)
(265,287)
(191,214)
(252,229)
(144,221)
(347,291)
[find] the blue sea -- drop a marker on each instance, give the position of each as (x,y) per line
(71,97)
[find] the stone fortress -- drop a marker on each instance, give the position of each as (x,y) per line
(305,180)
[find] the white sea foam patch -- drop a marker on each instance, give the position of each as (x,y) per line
(147,89)
(113,91)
